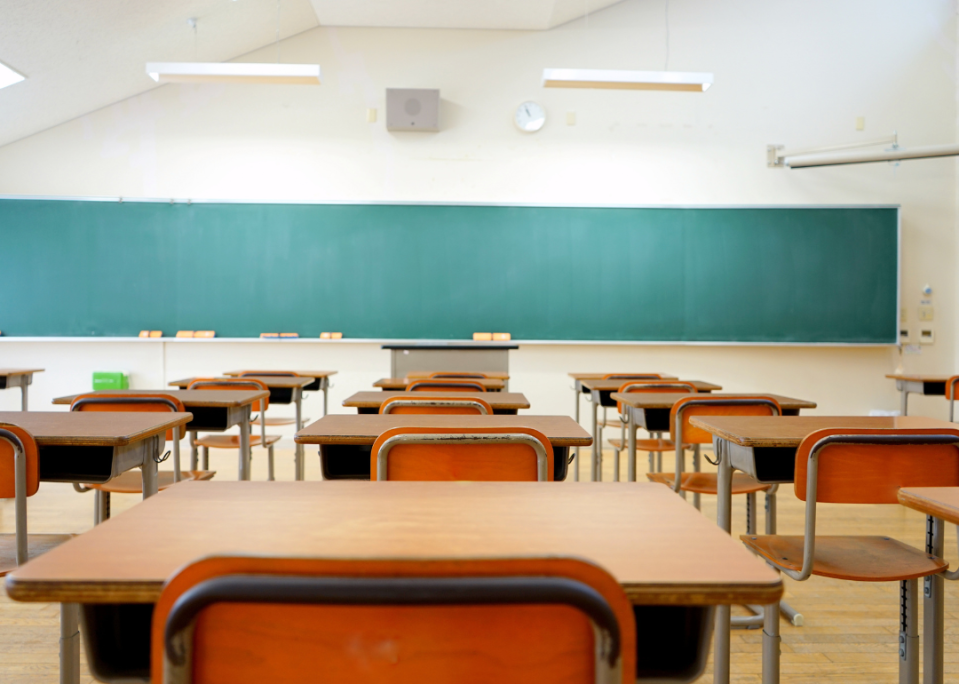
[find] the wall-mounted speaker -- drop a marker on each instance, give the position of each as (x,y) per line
(412,109)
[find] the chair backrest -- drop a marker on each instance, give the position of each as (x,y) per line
(13,437)
(663,386)
(303,620)
(870,466)
(431,405)
(951,387)
(139,402)
(709,405)
(233,384)
(462,453)
(448,385)
(633,376)
(455,374)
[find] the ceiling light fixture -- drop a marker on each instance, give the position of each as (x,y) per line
(8,76)
(233,72)
(627,80)
(618,79)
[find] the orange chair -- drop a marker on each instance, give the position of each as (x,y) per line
(131,481)
(233,441)
(448,385)
(467,453)
(436,406)
(951,396)
(19,479)
(863,466)
(682,432)
(605,421)
(262,419)
(657,445)
(304,620)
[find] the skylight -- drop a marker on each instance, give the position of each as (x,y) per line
(8,76)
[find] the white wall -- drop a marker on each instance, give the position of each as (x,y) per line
(796,73)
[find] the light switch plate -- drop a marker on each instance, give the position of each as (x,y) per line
(926,313)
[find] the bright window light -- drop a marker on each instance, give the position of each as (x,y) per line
(8,76)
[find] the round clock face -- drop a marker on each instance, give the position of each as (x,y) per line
(530,117)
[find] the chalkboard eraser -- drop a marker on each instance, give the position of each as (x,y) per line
(331,336)
(151,333)
(265,335)
(144,333)
(184,333)
(204,333)
(502,337)
(482,337)
(289,336)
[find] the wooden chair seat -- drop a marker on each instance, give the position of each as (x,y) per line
(646,444)
(232,441)
(131,482)
(279,420)
(862,559)
(706,483)
(36,544)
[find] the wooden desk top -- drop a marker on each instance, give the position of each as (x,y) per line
(278,381)
(305,374)
(941,502)
(364,428)
(20,371)
(661,549)
(614,385)
(599,376)
(492,375)
(664,400)
(918,378)
(498,400)
(92,428)
(198,398)
(789,431)
(491,384)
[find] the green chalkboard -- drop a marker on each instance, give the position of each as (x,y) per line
(786,274)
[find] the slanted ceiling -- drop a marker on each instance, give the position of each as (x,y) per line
(81,56)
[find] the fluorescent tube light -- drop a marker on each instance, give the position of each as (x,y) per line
(8,76)
(233,72)
(627,80)
(805,161)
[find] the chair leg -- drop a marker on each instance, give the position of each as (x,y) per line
(751,513)
(772,643)
(101,506)
(206,458)
(697,499)
(193,454)
(616,466)
(270,475)
(909,632)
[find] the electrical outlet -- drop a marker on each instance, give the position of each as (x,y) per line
(927,336)
(926,313)
(904,336)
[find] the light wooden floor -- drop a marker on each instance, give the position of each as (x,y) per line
(850,633)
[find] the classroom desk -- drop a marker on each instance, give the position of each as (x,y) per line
(321,380)
(346,441)
(929,385)
(578,389)
(503,403)
(673,564)
(765,447)
(284,389)
(491,384)
(19,377)
(213,411)
(492,375)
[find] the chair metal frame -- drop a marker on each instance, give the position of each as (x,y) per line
(244,466)
(542,460)
(909,589)
(951,389)
(20,492)
(405,591)
(438,386)
(434,403)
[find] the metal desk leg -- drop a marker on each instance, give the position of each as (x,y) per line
(724,484)
(576,393)
(246,457)
(24,395)
(149,470)
(194,465)
(903,400)
(298,458)
(933,591)
(69,643)
(326,385)
(909,633)
(631,436)
(771,644)
(596,473)
(177,476)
